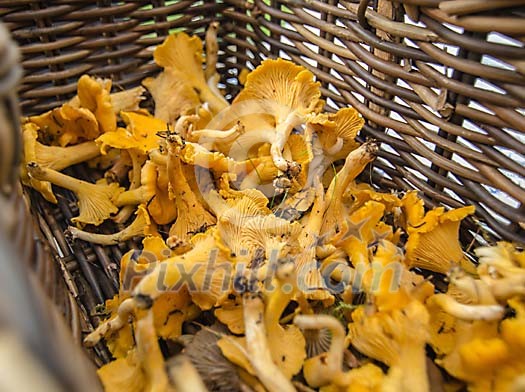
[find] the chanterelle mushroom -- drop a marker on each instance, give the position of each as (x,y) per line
(139,227)
(434,243)
(181,56)
(288,93)
(336,136)
(68,125)
(398,339)
(94,95)
(96,202)
(52,157)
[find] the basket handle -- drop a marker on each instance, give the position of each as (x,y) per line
(10,143)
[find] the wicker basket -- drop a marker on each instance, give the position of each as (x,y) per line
(440,83)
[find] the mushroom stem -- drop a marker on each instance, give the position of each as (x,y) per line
(202,135)
(184,376)
(213,96)
(58,158)
(125,309)
(120,168)
(146,191)
(257,346)
(282,132)
(334,219)
(136,228)
(354,164)
(476,290)
(62,180)
(150,356)
(409,374)
(127,100)
(280,297)
(468,312)
(132,197)
(338,145)
(124,214)
(183,124)
(212,50)
(506,288)
(158,158)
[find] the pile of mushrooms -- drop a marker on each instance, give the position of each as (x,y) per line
(265,264)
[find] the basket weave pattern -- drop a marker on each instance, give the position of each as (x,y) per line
(438,87)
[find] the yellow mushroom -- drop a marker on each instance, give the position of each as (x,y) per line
(145,192)
(138,228)
(335,210)
(296,150)
(206,266)
(94,95)
(396,338)
(310,279)
(171,94)
(184,375)
(192,216)
(212,50)
(140,134)
(52,157)
(149,354)
(288,93)
(361,193)
(467,312)
(67,125)
(259,345)
(123,374)
(434,243)
(182,57)
(336,135)
(286,343)
(161,208)
(125,100)
(326,369)
(230,313)
(96,202)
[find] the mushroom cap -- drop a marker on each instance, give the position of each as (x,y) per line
(361,193)
(183,55)
(68,125)
(30,135)
(384,335)
(172,96)
(288,350)
(94,95)
(434,244)
(141,133)
(230,313)
(169,312)
(413,209)
(123,374)
(96,205)
(344,124)
(282,87)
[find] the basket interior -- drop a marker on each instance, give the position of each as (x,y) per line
(442,88)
